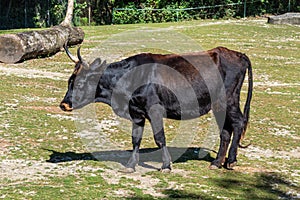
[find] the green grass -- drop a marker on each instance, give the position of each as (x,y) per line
(32,128)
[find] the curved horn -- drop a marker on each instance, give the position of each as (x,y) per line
(78,54)
(84,63)
(73,58)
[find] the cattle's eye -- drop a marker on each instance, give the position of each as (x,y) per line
(71,80)
(79,85)
(70,83)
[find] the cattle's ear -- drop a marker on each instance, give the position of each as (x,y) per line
(95,64)
(215,57)
(98,66)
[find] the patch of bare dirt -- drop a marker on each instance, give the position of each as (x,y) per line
(20,170)
(30,170)
(50,109)
(146,182)
(4,146)
(254,152)
(30,73)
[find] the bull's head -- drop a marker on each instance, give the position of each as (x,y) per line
(83,82)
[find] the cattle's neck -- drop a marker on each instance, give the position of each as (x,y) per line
(109,79)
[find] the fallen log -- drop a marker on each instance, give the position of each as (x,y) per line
(33,44)
(287,18)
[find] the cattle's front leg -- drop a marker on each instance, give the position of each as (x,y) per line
(137,134)
(156,119)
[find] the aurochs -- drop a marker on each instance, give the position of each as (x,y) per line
(154,86)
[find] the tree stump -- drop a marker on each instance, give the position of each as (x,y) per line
(287,18)
(32,44)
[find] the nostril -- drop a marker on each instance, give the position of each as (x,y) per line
(62,106)
(66,107)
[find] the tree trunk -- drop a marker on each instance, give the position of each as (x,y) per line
(32,44)
(8,9)
(69,15)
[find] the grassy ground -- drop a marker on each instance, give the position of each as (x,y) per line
(33,130)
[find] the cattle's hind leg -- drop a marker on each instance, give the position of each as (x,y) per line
(237,119)
(225,136)
(137,134)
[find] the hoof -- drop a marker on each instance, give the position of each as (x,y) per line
(213,167)
(166,170)
(127,170)
(231,165)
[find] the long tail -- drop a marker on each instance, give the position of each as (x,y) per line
(247,104)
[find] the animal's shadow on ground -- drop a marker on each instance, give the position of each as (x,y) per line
(178,155)
(263,182)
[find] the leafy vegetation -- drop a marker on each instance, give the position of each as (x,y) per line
(43,156)
(45,13)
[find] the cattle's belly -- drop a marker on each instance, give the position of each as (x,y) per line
(186,112)
(181,103)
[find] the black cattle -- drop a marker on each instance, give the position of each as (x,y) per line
(154,86)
